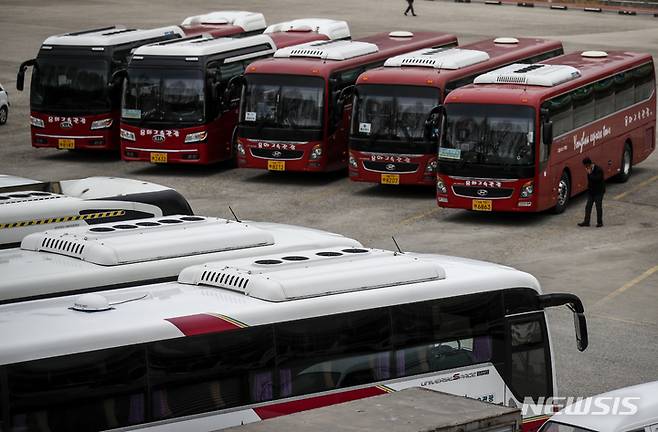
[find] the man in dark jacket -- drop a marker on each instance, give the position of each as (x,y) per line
(410,8)
(595,192)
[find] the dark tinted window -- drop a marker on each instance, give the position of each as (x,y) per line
(583,106)
(544,56)
(528,366)
(330,352)
(604,97)
(444,334)
(644,82)
(624,90)
(560,113)
(81,392)
(208,372)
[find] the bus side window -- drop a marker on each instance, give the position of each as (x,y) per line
(444,334)
(335,351)
(644,82)
(561,114)
(604,97)
(89,391)
(452,85)
(208,372)
(624,90)
(528,357)
(584,110)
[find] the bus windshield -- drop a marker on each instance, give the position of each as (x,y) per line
(283,101)
(70,83)
(164,96)
(489,134)
(392,118)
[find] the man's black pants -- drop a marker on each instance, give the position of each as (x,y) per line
(598,200)
(410,8)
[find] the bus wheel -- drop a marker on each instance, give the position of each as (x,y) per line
(563,193)
(626,164)
(3,115)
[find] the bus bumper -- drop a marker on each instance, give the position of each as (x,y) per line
(392,169)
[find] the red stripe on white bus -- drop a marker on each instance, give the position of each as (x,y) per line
(285,408)
(201,324)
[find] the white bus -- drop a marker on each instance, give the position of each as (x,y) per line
(239,341)
(28,206)
(113,255)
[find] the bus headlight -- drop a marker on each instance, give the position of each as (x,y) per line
(441,187)
(36,122)
(127,135)
(196,137)
(431,167)
(353,162)
(527,189)
(241,151)
(101,124)
(316,152)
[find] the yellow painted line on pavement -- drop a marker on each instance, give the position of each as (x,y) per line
(630,284)
(417,217)
(636,188)
(624,320)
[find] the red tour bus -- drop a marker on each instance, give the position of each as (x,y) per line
(75,95)
(181,97)
(296,107)
(516,138)
(393,138)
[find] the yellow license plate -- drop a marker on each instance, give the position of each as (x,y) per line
(393,179)
(158,157)
(276,165)
(66,144)
(482,205)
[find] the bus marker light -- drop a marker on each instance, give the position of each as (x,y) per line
(429,81)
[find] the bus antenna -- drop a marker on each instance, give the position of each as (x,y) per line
(397,245)
(234,215)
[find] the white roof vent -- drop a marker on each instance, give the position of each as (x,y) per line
(333,29)
(401,34)
(530,74)
(314,273)
(594,54)
(91,302)
(148,239)
(328,50)
(438,58)
(506,40)
(249,21)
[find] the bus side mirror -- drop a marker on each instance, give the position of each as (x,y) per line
(20,77)
(117,78)
(547,133)
(433,122)
(572,302)
(230,99)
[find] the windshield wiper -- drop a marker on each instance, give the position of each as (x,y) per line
(147,116)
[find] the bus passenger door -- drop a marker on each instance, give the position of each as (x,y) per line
(529,371)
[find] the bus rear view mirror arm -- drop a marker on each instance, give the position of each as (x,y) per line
(576,305)
(20,77)
(235,83)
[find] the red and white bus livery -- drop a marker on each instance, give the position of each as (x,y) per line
(75,93)
(516,138)
(238,341)
(181,97)
(393,138)
(296,107)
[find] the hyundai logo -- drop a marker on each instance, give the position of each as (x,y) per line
(390,167)
(277,154)
(482,192)
(66,125)
(158,138)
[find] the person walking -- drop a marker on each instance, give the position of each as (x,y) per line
(410,8)
(595,192)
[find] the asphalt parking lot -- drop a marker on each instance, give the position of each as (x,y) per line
(613,269)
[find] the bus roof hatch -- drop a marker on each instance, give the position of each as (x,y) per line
(328,50)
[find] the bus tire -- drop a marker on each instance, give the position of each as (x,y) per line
(626,168)
(4,113)
(563,193)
